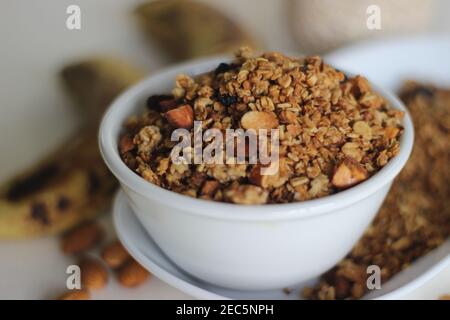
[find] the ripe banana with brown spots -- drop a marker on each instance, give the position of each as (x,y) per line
(72,184)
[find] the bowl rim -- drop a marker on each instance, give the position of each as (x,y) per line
(108,143)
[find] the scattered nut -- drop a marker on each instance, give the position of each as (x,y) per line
(115,255)
(349,173)
(76,295)
(132,274)
(210,187)
(93,274)
(259,120)
(82,238)
(126,144)
(391,132)
(181,117)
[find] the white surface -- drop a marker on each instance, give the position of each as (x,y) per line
(142,247)
(245,247)
(34,46)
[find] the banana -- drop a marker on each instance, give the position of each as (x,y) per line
(189,29)
(72,184)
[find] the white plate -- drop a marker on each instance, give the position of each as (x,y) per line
(389,62)
(141,246)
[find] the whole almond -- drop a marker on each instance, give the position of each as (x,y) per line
(348,173)
(210,187)
(75,295)
(126,144)
(82,238)
(115,255)
(132,274)
(259,120)
(181,117)
(93,274)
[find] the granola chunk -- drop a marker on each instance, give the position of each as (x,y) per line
(246,194)
(146,140)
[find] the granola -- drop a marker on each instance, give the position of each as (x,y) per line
(334,131)
(415,217)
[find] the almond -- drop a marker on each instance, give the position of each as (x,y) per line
(126,144)
(391,132)
(75,295)
(210,187)
(259,120)
(266,181)
(181,117)
(348,173)
(115,255)
(132,274)
(93,274)
(82,238)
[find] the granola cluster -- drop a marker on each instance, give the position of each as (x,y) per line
(415,217)
(334,131)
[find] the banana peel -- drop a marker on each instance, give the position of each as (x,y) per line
(72,184)
(190,29)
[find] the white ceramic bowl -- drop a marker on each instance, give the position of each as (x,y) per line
(245,247)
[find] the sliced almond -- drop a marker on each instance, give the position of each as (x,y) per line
(349,173)
(181,117)
(259,120)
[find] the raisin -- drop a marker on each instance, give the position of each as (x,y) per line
(223,67)
(227,100)
(161,102)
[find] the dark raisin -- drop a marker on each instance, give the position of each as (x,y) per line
(161,102)
(31,183)
(39,212)
(223,67)
(228,100)
(63,203)
(304,68)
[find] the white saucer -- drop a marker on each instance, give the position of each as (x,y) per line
(146,252)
